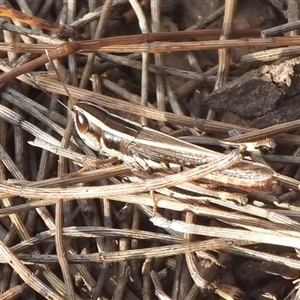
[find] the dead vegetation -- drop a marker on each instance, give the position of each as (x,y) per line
(78,225)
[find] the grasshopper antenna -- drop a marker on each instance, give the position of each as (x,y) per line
(33,81)
(61,80)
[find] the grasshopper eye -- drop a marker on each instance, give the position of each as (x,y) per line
(82,122)
(265,149)
(87,131)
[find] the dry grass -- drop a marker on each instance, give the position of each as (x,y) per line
(77,225)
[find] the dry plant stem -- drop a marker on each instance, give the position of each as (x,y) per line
(223,66)
(278,30)
(288,181)
(55,27)
(283,158)
(155,41)
(122,92)
(118,256)
(191,259)
(259,212)
(266,132)
(72,63)
(227,291)
(285,226)
(6,236)
(92,7)
(158,68)
(121,284)
(156,27)
(296,290)
(17,221)
(292,15)
(27,276)
(97,289)
(105,231)
(158,287)
(25,39)
(62,51)
(263,256)
(209,19)
(13,279)
(60,243)
(99,32)
(24,7)
(162,202)
(193,293)
(178,269)
(46,156)
(147,284)
(251,224)
(269,55)
(59,212)
(174,103)
(158,47)
(288,168)
(145,57)
(75,178)
(20,154)
(134,244)
(148,211)
(25,17)
(223,53)
(13,292)
(44,38)
(5,282)
(81,159)
(8,38)
(148,185)
(163,47)
(50,42)
(15,119)
(123,246)
(94,14)
(233,234)
(39,111)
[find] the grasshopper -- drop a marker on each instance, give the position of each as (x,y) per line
(144,148)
